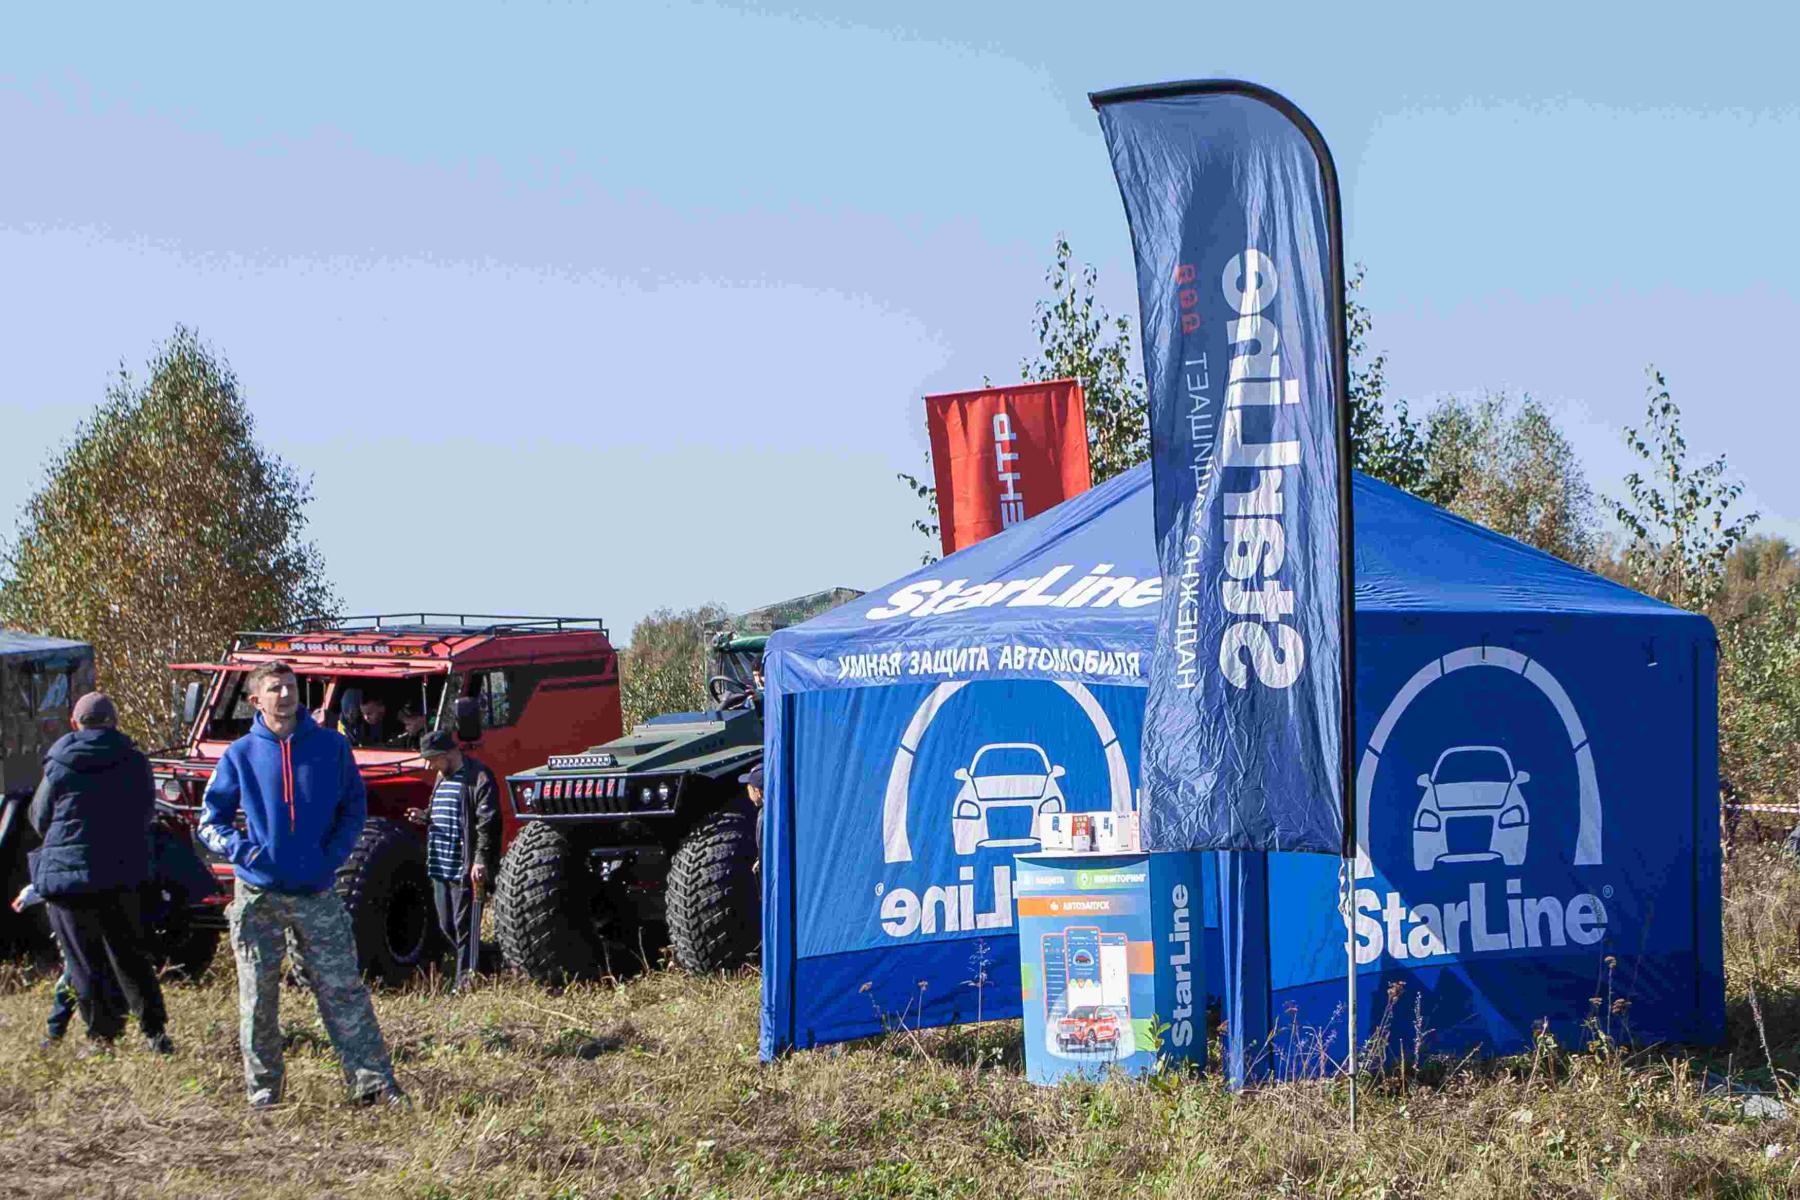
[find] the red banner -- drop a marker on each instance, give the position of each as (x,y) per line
(1004,454)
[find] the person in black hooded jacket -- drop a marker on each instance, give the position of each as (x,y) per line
(93,810)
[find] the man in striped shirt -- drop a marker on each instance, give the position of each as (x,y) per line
(462,839)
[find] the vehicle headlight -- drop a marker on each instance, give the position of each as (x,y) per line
(664,791)
(528,795)
(171,790)
(1512,818)
(647,796)
(1428,822)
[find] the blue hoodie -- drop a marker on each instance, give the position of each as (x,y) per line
(303,804)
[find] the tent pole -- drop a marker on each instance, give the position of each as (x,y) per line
(1347,873)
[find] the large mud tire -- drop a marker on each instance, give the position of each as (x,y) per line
(715,894)
(384,886)
(555,920)
(179,948)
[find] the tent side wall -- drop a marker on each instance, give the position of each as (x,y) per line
(1493,905)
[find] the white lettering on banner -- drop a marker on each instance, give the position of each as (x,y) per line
(1386,923)
(1187,615)
(1181,935)
(1012,501)
(1096,589)
(1007,657)
(1254,537)
(947,908)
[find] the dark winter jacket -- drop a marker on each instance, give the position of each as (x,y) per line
(93,810)
(303,804)
(481,816)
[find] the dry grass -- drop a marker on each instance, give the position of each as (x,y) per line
(652,1088)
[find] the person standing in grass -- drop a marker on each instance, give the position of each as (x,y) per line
(303,805)
(93,810)
(462,840)
(63,1001)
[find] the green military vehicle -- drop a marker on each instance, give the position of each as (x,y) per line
(648,840)
(40,680)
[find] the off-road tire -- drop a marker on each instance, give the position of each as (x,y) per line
(177,949)
(25,936)
(548,908)
(383,884)
(715,894)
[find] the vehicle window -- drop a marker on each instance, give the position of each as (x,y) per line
(1473,766)
(231,713)
(494,691)
(53,691)
(1010,760)
(408,706)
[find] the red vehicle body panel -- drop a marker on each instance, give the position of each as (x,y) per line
(559,692)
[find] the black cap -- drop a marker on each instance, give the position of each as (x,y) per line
(753,777)
(436,741)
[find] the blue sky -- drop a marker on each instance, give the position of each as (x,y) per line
(640,301)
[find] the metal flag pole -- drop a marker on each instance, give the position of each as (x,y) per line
(1340,364)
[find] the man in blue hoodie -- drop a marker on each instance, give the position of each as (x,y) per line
(301,797)
(93,810)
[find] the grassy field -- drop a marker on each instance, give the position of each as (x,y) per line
(652,1088)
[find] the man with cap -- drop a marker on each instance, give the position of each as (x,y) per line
(462,840)
(93,810)
(753,786)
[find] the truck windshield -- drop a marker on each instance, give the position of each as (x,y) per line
(231,715)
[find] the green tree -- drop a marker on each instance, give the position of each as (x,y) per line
(1759,572)
(1079,339)
(161,528)
(1678,519)
(664,668)
(1759,695)
(1388,446)
(1505,464)
(928,524)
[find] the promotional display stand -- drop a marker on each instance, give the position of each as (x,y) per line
(1110,954)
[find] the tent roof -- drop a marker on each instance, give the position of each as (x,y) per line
(1411,557)
(18,642)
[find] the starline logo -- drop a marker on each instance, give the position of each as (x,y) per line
(1099,588)
(1181,936)
(1252,527)
(1474,926)
(946,908)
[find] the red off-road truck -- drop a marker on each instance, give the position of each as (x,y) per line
(514,689)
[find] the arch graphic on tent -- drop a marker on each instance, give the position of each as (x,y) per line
(897,847)
(1587,841)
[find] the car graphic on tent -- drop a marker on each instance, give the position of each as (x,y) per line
(1006,789)
(1472,810)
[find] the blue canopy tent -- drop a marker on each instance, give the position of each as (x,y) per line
(1537,788)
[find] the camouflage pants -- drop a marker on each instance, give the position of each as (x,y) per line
(263,926)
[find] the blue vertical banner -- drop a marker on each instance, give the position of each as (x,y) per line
(1232,201)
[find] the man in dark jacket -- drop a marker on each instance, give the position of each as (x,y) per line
(93,810)
(303,806)
(462,840)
